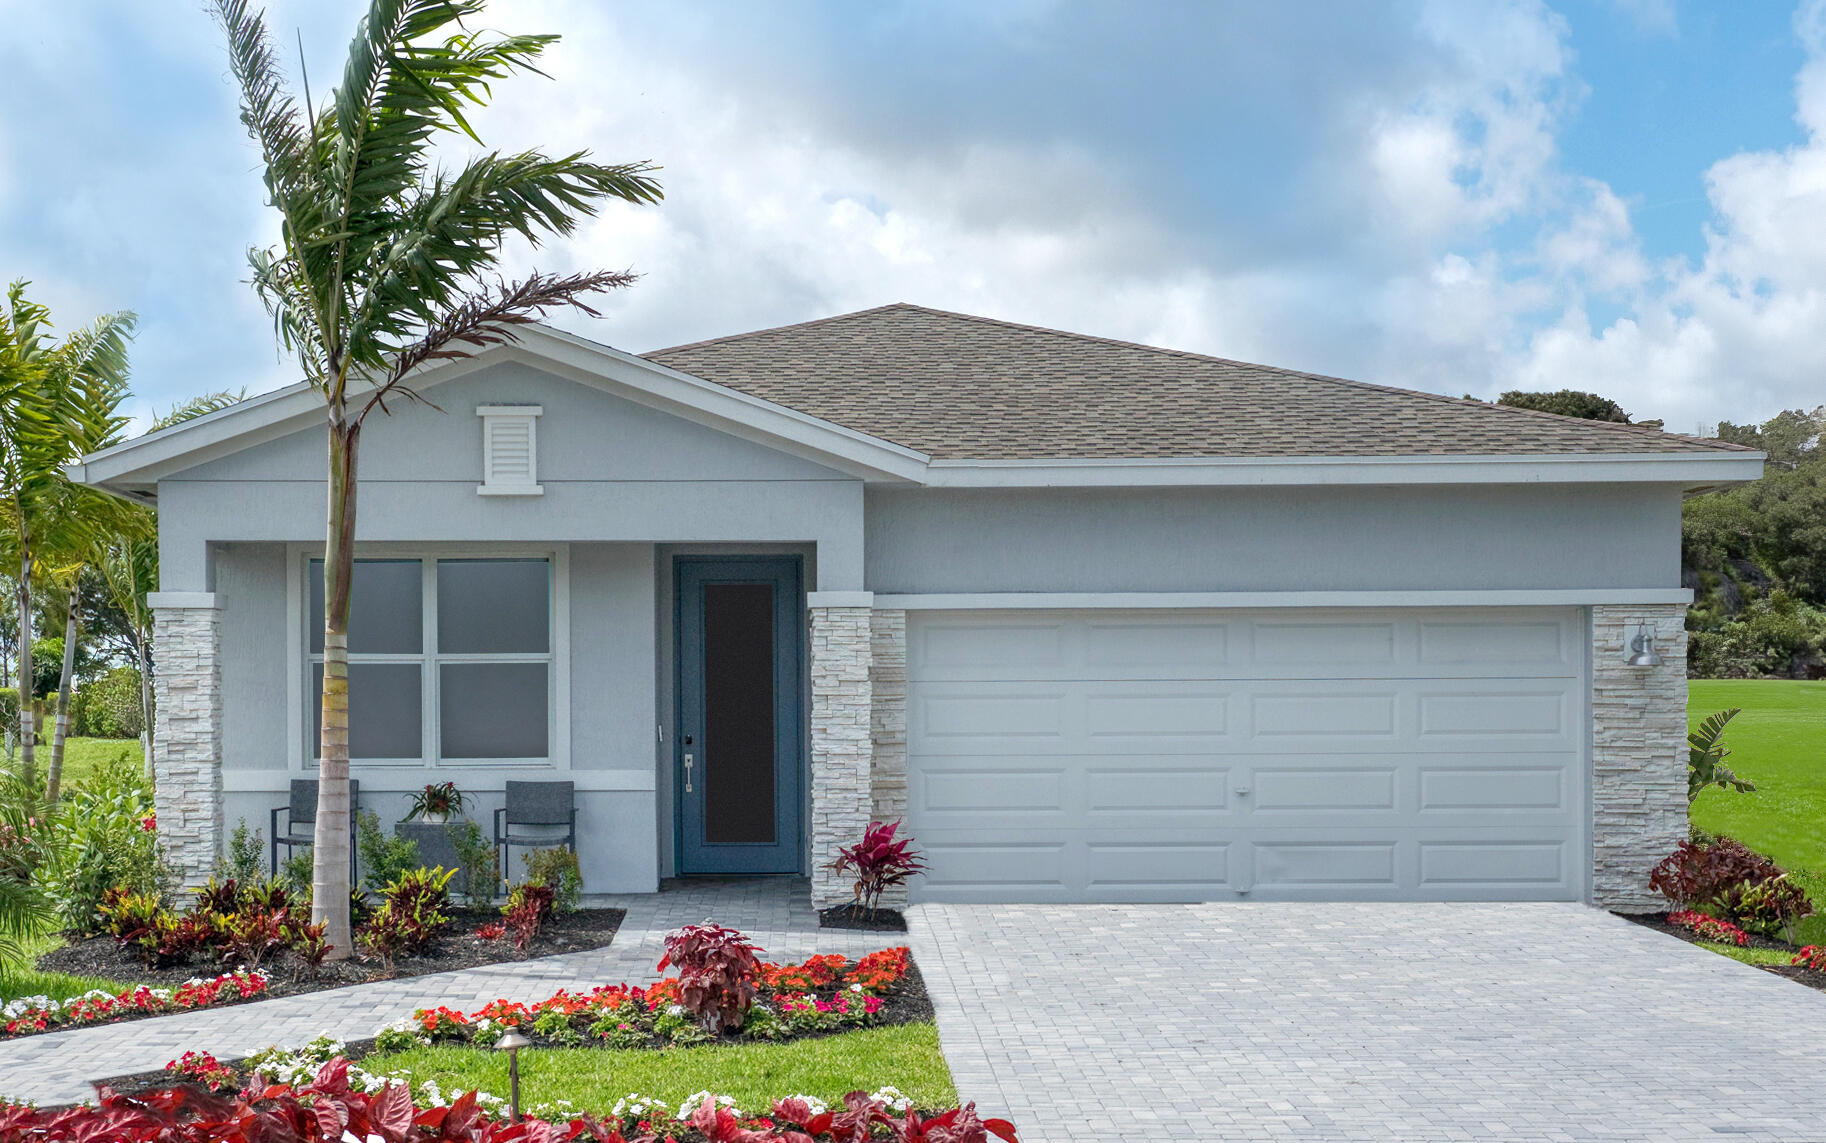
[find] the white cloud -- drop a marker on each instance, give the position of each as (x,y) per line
(1737,336)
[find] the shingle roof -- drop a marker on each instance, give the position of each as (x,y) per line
(960,387)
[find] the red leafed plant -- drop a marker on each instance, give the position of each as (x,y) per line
(717,967)
(529,905)
(880,861)
(1711,876)
(490,931)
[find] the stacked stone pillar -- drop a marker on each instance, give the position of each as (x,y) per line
(187,730)
(1638,752)
(841,744)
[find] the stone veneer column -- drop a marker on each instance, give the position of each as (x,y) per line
(888,726)
(840,739)
(187,730)
(1638,752)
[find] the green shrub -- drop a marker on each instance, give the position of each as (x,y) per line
(245,856)
(557,870)
(109,706)
(480,862)
(414,908)
(383,857)
(105,838)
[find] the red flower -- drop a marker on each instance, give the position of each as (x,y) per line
(149,823)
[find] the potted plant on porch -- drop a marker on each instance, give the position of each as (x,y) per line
(435,803)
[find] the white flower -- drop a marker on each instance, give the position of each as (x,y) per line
(855,988)
(818,1106)
(892,1098)
(697,1099)
(636,1106)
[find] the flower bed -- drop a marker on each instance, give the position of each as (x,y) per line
(335,1104)
(819,995)
(1709,928)
(31,1014)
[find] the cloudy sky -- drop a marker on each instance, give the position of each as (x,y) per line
(1627,196)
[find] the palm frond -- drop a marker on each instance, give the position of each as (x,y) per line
(488,317)
(197,407)
(451,231)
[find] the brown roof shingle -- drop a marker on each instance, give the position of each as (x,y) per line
(960,387)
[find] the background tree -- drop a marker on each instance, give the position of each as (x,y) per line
(58,400)
(383,266)
(1567,403)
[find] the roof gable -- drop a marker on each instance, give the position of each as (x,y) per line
(959,387)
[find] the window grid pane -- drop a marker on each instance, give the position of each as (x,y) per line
(492,683)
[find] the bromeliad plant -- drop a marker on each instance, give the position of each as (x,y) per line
(880,862)
(436,802)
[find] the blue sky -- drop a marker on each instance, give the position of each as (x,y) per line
(1619,195)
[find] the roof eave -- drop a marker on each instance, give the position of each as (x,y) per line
(1687,469)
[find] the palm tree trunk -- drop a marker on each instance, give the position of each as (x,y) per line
(145,700)
(54,777)
(330,851)
(28,726)
(141,636)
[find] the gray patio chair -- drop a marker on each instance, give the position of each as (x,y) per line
(544,806)
(301,820)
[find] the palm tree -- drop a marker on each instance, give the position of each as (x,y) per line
(57,402)
(383,266)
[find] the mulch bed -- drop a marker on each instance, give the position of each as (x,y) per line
(907,1003)
(858,918)
(458,948)
(1797,973)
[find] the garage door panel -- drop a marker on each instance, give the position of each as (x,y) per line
(1174,868)
(1156,646)
(992,790)
(1326,790)
(980,716)
(1325,714)
(1194,756)
(1496,642)
(1335,643)
(1128,786)
(1323,864)
(1516,715)
(1445,789)
(1493,863)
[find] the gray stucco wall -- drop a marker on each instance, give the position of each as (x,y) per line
(1272,539)
(250,593)
(611,469)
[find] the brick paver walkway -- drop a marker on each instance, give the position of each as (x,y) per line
(58,1067)
(1241,1022)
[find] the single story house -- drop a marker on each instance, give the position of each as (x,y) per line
(1102,622)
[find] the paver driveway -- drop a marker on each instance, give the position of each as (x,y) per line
(1236,1022)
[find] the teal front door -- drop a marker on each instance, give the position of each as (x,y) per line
(737,754)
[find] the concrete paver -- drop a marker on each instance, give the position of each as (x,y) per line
(1364,1022)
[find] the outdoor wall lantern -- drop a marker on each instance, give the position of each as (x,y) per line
(511,1044)
(1642,651)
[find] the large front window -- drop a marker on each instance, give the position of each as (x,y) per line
(450,660)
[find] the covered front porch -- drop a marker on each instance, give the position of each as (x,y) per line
(712,714)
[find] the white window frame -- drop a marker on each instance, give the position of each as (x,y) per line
(302,660)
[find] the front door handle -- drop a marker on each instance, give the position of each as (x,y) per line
(688,773)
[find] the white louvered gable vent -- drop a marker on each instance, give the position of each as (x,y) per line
(510,450)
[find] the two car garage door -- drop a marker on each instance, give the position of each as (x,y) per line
(1222,755)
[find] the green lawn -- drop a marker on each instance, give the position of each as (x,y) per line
(1778,742)
(905,1056)
(57,986)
